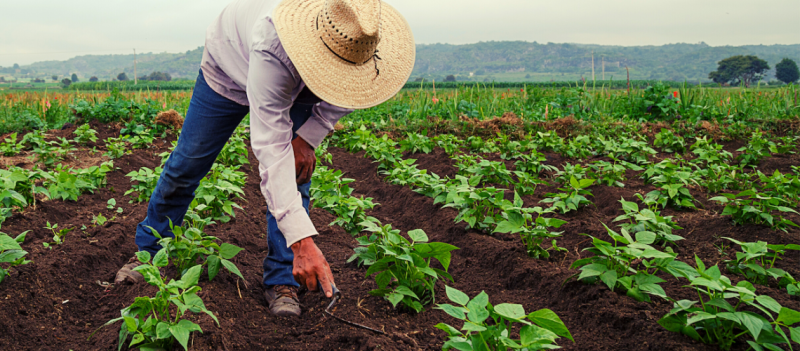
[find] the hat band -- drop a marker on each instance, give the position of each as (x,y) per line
(374,56)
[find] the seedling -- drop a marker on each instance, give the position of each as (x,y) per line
(571,198)
(11,253)
(415,142)
(85,134)
(716,321)
(756,149)
(629,264)
(533,232)
(156,322)
(58,235)
(648,220)
(9,146)
(669,142)
(189,244)
(757,260)
(146,180)
(751,207)
(402,266)
(539,330)
(117,147)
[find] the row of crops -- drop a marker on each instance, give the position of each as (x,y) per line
(189,85)
(682,160)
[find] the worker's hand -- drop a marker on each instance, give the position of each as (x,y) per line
(310,267)
(304,160)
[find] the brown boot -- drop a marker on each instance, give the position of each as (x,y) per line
(282,300)
(126,274)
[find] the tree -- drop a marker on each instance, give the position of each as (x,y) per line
(739,69)
(122,76)
(786,71)
(74,78)
(16,66)
(66,82)
(54,77)
(450,78)
(93,79)
(158,76)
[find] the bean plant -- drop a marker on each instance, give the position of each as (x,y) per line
(533,231)
(11,253)
(402,267)
(714,320)
(189,244)
(488,327)
(630,264)
(756,262)
(155,323)
(751,207)
(572,197)
(85,134)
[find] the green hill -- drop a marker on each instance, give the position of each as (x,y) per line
(484,61)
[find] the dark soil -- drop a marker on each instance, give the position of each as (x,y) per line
(57,301)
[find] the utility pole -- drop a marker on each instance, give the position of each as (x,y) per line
(135,80)
(592,66)
(604,67)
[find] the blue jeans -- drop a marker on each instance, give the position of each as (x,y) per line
(210,122)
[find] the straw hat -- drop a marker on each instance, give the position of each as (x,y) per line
(350,53)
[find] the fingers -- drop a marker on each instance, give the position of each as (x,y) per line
(326,280)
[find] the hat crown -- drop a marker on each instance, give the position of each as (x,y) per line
(351,28)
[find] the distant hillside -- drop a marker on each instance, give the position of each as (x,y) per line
(500,60)
(107,67)
(485,61)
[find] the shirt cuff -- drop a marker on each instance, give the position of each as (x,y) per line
(313,132)
(296,225)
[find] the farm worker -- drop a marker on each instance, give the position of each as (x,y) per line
(297,66)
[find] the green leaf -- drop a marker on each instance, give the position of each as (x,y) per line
(418,235)
(795,332)
(394,298)
(213,266)
(181,332)
(161,258)
(162,330)
(232,268)
(453,311)
(7,243)
(456,296)
(788,316)
(404,290)
(448,329)
(191,277)
(549,320)
(143,256)
(609,277)
(510,311)
(752,324)
(130,323)
(228,251)
(769,303)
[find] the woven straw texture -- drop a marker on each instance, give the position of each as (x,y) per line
(329,76)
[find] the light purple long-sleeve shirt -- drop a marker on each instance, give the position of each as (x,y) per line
(244,61)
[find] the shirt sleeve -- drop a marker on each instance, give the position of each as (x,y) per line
(323,117)
(269,90)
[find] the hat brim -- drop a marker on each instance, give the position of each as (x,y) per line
(334,80)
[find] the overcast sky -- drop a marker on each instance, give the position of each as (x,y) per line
(38,30)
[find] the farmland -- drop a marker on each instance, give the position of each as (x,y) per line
(654,218)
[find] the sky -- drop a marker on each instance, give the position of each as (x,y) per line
(40,30)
